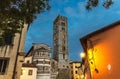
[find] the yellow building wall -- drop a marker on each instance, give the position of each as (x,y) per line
(74,67)
(25,73)
(103,55)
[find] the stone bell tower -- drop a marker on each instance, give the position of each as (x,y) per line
(60,46)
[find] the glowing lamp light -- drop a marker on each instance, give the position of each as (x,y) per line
(23,71)
(109,67)
(82,76)
(82,54)
(78,76)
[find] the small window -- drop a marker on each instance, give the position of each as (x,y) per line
(40,68)
(22,72)
(63,48)
(30,72)
(48,55)
(63,36)
(37,61)
(63,29)
(67,66)
(28,61)
(76,66)
(40,53)
(76,72)
(62,23)
(3,65)
(8,38)
(63,56)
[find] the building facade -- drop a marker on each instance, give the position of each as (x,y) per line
(41,58)
(54,69)
(60,46)
(76,70)
(102,49)
(28,70)
(9,55)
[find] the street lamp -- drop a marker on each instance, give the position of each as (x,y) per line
(82,55)
(82,76)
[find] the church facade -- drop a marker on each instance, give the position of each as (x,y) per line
(40,54)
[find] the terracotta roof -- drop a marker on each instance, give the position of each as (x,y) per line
(75,62)
(28,65)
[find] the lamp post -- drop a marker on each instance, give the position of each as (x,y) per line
(83,56)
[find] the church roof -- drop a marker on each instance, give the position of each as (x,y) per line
(37,46)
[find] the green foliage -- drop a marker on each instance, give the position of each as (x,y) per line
(94,3)
(14,13)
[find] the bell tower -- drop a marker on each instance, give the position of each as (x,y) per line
(60,45)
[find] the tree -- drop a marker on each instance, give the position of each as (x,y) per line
(15,13)
(94,3)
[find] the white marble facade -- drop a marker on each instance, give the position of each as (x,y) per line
(41,57)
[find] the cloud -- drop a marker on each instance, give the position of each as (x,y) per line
(70,12)
(75,11)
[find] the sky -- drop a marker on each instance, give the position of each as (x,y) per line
(80,23)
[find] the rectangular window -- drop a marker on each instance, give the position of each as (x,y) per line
(3,65)
(71,72)
(28,61)
(41,62)
(76,66)
(8,38)
(63,56)
(30,72)
(76,72)
(22,72)
(46,68)
(62,23)
(63,48)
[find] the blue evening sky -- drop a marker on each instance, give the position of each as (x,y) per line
(80,23)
